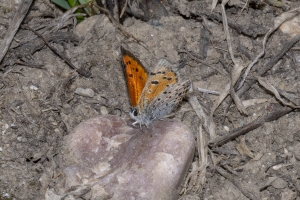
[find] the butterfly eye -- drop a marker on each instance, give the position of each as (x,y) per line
(135,113)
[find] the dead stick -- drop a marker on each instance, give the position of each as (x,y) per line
(237,184)
(279,112)
(119,26)
(14,26)
(286,47)
(67,60)
(247,85)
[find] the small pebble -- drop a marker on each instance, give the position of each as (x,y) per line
(103,110)
(33,87)
(54,123)
(279,183)
(226,128)
(85,92)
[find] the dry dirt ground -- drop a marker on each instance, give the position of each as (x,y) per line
(39,105)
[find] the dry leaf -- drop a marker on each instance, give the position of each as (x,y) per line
(243,148)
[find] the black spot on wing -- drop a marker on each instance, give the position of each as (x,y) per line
(154,82)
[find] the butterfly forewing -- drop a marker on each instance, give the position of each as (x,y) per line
(136,76)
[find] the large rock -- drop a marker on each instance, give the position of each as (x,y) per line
(119,161)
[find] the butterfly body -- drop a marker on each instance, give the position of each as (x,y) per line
(152,95)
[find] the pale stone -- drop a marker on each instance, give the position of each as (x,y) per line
(103,110)
(84,92)
(119,161)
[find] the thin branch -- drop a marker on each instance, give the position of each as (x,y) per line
(67,60)
(277,113)
(264,44)
(14,26)
(236,183)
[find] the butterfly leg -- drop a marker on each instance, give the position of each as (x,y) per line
(136,122)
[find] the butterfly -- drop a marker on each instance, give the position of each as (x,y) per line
(152,95)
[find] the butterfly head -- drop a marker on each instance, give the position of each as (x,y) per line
(139,117)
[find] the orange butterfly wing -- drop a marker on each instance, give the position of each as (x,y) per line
(159,82)
(136,76)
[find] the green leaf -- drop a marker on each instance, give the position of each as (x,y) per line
(85,9)
(83,1)
(73,3)
(275,3)
(62,3)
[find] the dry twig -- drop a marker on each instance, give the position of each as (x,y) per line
(238,66)
(237,184)
(119,26)
(262,70)
(81,71)
(14,26)
(124,8)
(277,113)
(209,126)
(272,89)
(293,13)
(197,177)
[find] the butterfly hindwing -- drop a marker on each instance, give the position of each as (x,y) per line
(158,81)
(165,103)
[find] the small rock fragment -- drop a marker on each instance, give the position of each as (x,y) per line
(279,183)
(289,195)
(85,92)
(276,182)
(290,27)
(119,161)
(103,110)
(33,87)
(296,148)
